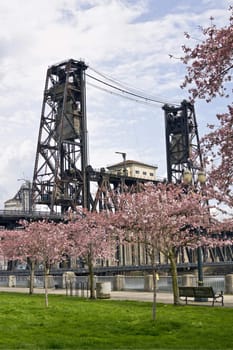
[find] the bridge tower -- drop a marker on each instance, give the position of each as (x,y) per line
(184,161)
(182,142)
(60,179)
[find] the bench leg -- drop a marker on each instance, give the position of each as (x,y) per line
(215,299)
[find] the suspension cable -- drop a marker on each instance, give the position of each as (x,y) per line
(146,99)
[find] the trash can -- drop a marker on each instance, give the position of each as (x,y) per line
(103,290)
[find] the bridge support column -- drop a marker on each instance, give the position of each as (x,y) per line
(229,284)
(119,282)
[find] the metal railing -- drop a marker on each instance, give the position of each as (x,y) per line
(80,283)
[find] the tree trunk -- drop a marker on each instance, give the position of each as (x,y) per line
(154,293)
(32,275)
(91,278)
(46,275)
(172,258)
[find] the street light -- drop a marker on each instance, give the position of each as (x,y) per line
(124,161)
(188,177)
(201,178)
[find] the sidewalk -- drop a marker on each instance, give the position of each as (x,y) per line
(166,298)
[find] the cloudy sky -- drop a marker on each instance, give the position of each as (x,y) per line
(128,41)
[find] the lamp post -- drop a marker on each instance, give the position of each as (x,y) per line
(122,187)
(124,161)
(201,179)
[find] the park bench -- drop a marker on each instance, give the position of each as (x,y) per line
(200,293)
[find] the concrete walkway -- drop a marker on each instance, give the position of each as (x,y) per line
(166,298)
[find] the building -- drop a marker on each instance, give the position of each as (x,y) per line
(135,169)
(21,201)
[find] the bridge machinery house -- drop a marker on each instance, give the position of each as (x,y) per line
(132,168)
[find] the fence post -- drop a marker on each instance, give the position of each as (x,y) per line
(119,282)
(69,281)
(12,281)
(148,283)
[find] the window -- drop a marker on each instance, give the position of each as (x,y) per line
(144,173)
(151,174)
(137,172)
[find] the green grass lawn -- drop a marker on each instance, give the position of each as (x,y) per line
(72,323)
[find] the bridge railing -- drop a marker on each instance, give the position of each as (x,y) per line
(28,213)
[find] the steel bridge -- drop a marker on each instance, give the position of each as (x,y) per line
(114,270)
(10,219)
(63,178)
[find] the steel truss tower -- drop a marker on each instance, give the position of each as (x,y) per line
(60,178)
(184,157)
(182,141)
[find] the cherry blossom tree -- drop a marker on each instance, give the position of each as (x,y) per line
(43,242)
(13,245)
(91,239)
(9,243)
(209,75)
(48,243)
(163,218)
